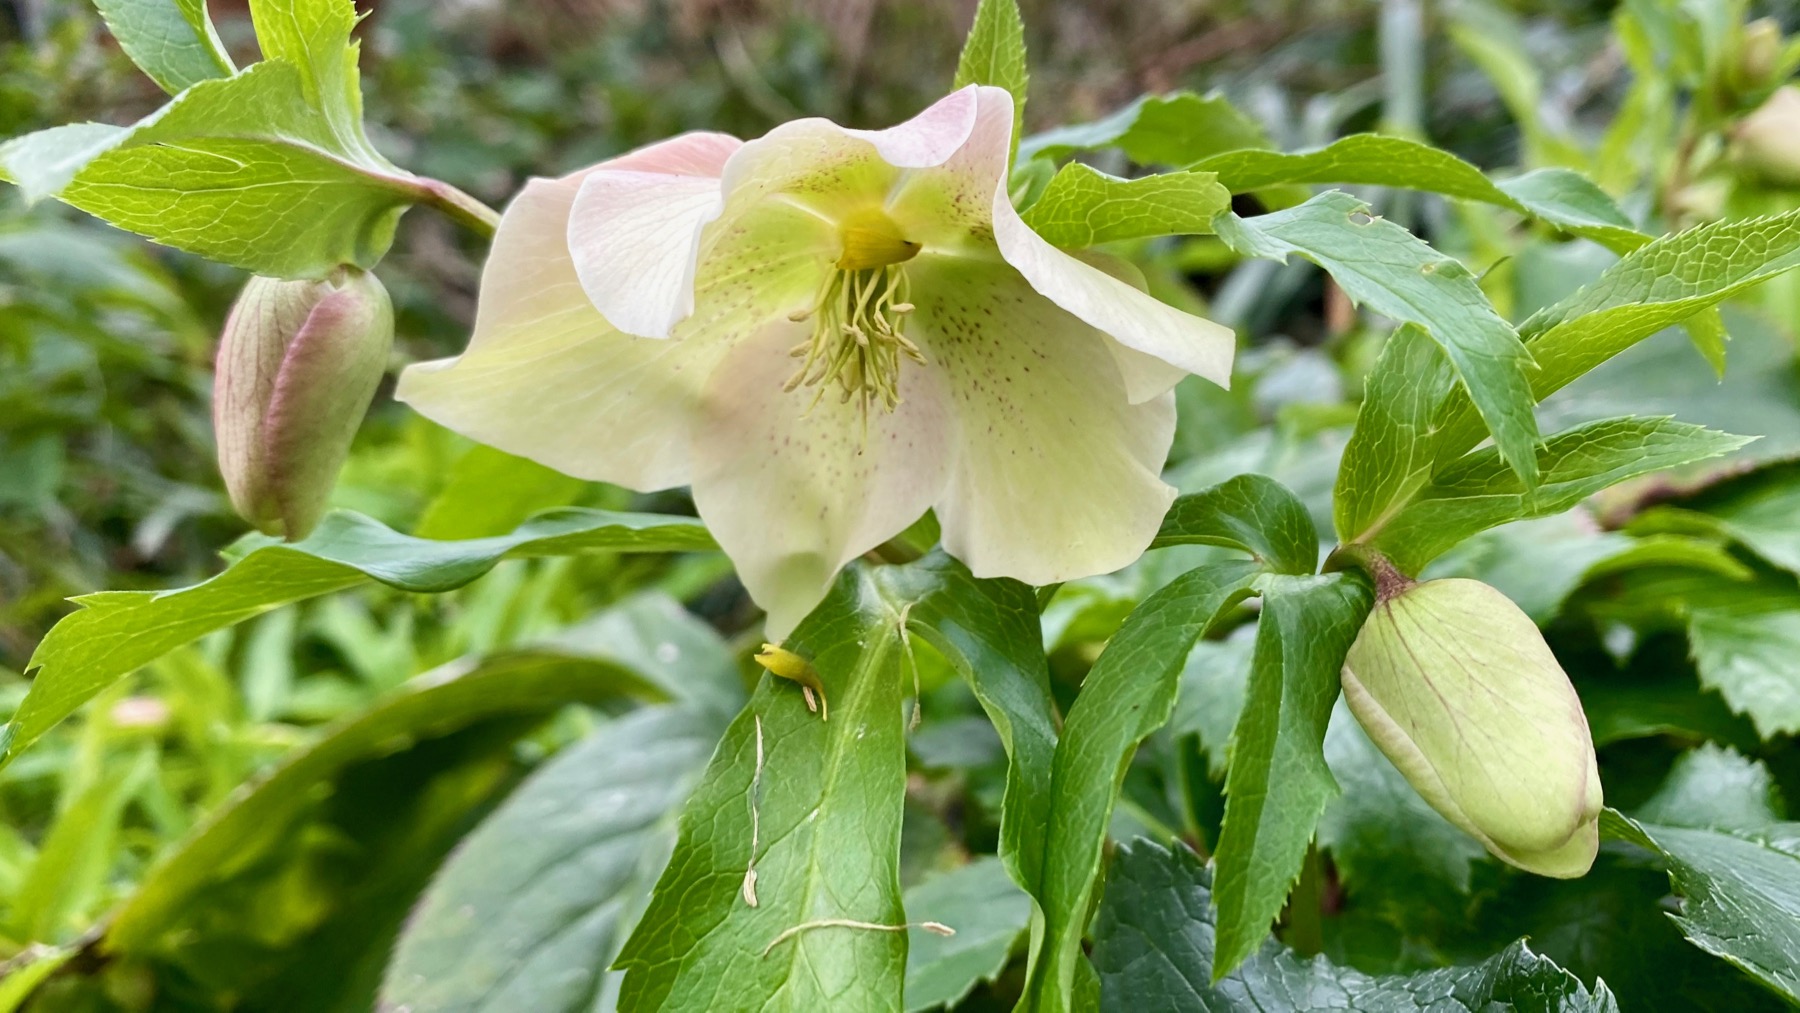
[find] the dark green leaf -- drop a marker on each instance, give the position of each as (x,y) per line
(1253,513)
(989,914)
(1655,286)
(1713,787)
(1746,649)
(1279,783)
(826,791)
(1154,947)
(1128,694)
(1479,491)
(1381,265)
(115,632)
(988,630)
(173,41)
(1085,207)
(531,908)
(1740,892)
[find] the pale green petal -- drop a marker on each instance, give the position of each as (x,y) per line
(793,494)
(1057,473)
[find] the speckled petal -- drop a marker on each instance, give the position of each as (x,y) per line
(1135,318)
(546,377)
(1057,473)
(791,494)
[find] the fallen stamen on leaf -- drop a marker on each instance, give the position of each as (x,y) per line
(792,667)
(935,928)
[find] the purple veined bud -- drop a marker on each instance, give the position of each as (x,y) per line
(298,364)
(1457,687)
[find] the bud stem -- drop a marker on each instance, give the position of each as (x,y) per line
(462,208)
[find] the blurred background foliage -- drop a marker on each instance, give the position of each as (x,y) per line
(107,478)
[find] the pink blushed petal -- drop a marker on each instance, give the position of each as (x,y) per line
(635,240)
(793,493)
(699,153)
(548,378)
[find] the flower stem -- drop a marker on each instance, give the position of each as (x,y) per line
(462,208)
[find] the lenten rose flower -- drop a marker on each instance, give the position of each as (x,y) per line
(826,332)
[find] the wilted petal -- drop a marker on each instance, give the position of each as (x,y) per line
(1057,476)
(792,495)
(546,377)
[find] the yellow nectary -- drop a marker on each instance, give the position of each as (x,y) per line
(1456,685)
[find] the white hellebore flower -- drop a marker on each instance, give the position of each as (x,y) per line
(826,332)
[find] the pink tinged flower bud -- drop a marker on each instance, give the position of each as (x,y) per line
(1457,687)
(298,365)
(1766,144)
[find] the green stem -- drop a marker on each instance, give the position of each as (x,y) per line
(462,208)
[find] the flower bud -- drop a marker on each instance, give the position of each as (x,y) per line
(1766,144)
(1755,57)
(298,365)
(1455,684)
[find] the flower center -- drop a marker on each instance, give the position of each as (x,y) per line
(859,318)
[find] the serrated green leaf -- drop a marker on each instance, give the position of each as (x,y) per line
(826,789)
(1154,947)
(1740,892)
(259,817)
(116,632)
(1560,197)
(173,41)
(1279,783)
(1129,693)
(989,914)
(1389,453)
(1479,492)
(1177,129)
(1084,207)
(1745,648)
(994,54)
(989,631)
(1382,837)
(531,909)
(1759,511)
(1387,268)
(241,170)
(314,36)
(1714,787)
(1655,286)
(1251,513)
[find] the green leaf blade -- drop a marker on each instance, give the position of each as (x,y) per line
(116,632)
(1251,513)
(994,54)
(1279,783)
(173,41)
(1479,492)
(1387,268)
(825,840)
(1085,207)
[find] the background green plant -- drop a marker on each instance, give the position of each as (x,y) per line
(290,774)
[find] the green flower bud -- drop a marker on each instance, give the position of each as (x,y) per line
(298,365)
(1766,144)
(1754,63)
(1455,684)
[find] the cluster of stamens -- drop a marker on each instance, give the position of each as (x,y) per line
(859,318)
(858,337)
